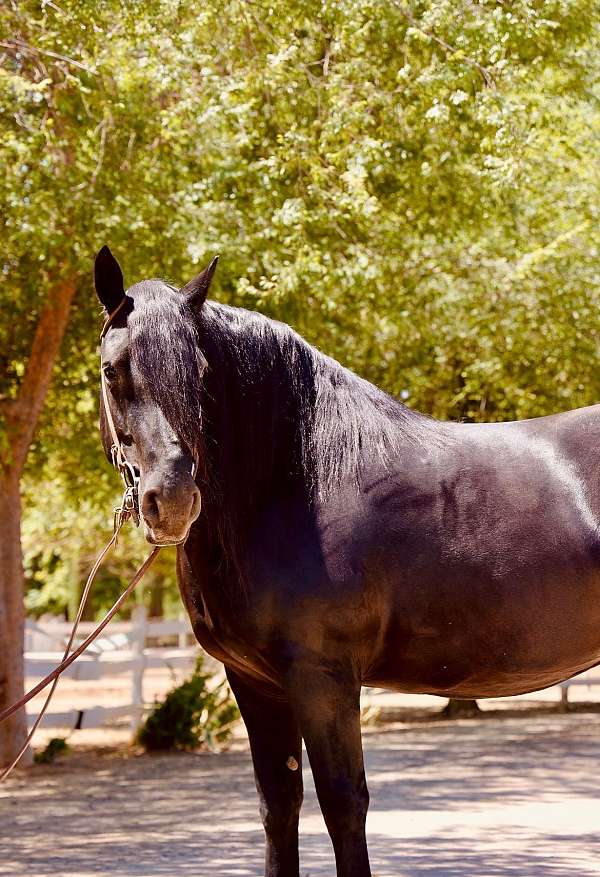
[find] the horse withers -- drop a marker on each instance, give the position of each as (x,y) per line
(332,538)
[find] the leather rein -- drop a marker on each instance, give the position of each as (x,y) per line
(129,509)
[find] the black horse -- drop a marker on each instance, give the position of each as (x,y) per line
(345,539)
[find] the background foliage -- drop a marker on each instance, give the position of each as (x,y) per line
(411,185)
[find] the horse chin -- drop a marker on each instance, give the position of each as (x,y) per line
(164,539)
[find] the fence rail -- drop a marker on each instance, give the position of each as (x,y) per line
(130,649)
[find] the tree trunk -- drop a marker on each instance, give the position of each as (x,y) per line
(12,618)
(157,594)
(20,417)
(460,709)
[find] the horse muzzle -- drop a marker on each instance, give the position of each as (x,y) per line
(169,506)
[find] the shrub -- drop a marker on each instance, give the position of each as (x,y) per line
(193,715)
(55,747)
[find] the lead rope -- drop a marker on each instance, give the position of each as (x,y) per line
(78,617)
(128,509)
(69,656)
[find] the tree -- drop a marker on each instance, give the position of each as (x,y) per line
(411,185)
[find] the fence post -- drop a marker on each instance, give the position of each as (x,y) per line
(564,694)
(138,641)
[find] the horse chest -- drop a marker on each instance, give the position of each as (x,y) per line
(236,645)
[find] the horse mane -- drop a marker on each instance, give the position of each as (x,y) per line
(283,420)
(268,414)
(285,390)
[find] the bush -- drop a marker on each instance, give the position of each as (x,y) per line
(55,747)
(193,715)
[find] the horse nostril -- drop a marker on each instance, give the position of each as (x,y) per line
(195,506)
(150,507)
(168,508)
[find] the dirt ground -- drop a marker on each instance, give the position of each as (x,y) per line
(477,798)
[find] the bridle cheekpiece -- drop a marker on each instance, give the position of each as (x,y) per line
(130,507)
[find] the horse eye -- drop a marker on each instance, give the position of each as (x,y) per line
(110,373)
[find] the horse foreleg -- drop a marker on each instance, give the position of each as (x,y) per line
(328,710)
(277,755)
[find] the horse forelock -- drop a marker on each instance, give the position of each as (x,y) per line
(164,350)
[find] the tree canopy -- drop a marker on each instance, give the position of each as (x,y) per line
(411,185)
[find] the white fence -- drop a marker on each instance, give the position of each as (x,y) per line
(129,649)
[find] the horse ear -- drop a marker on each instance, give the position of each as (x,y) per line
(197,289)
(108,278)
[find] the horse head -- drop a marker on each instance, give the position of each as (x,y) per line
(152,371)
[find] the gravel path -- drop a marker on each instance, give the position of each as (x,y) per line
(502,796)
